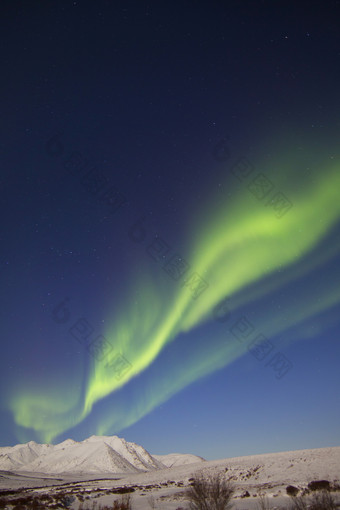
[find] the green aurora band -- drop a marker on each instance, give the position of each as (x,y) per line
(240,248)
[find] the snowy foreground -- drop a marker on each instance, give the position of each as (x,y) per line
(100,468)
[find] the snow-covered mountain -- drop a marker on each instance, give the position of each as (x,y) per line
(97,454)
(178,459)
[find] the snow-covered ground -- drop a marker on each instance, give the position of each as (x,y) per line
(159,486)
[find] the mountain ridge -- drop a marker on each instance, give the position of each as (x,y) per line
(95,454)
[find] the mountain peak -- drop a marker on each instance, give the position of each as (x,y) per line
(100,438)
(67,442)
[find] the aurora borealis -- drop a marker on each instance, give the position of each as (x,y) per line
(114,317)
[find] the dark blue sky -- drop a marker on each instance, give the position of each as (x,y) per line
(171,170)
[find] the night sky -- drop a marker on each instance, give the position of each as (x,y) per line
(170,212)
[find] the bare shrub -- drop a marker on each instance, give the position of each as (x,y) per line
(323,501)
(319,501)
(210,492)
(152,502)
(299,502)
(263,502)
(292,490)
(123,504)
(319,485)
